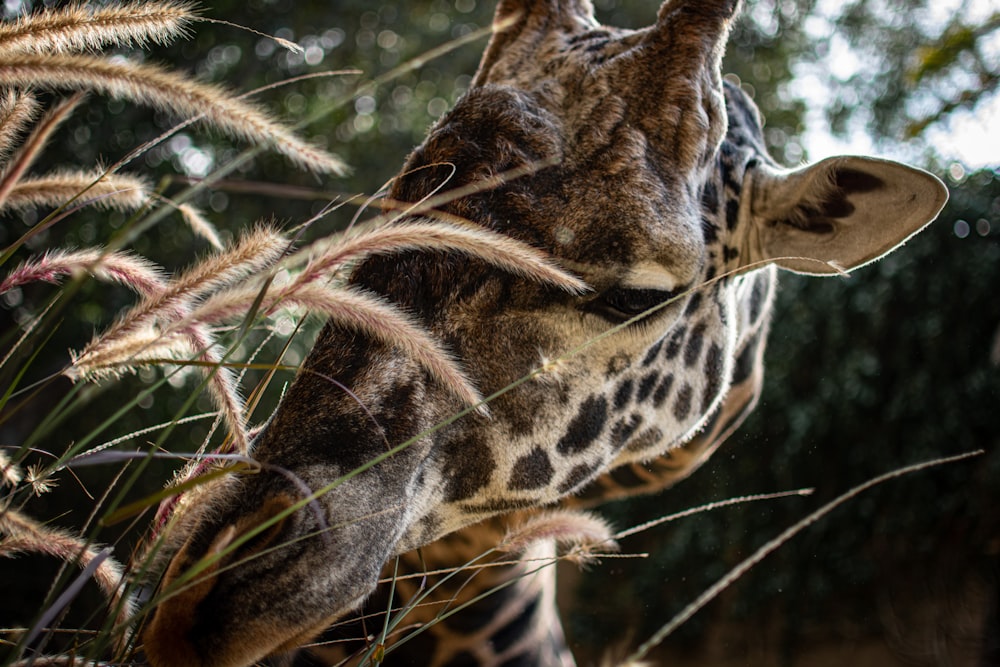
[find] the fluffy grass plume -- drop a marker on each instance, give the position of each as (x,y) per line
(119,267)
(354,309)
(17,110)
(21,534)
(118,191)
(79,27)
(254,252)
(43,50)
(25,156)
(497,249)
(579,532)
(146,332)
(169,92)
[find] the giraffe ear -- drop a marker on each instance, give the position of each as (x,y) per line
(520,26)
(837,214)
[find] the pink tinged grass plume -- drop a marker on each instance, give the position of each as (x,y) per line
(579,532)
(351,308)
(148,347)
(23,535)
(110,191)
(254,252)
(199,224)
(496,249)
(122,268)
(148,331)
(105,190)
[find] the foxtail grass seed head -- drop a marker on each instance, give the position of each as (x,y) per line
(141,326)
(134,272)
(577,532)
(105,190)
(18,165)
(10,473)
(25,535)
(114,358)
(501,251)
(352,308)
(200,225)
(40,479)
(83,27)
(169,92)
(255,252)
(109,191)
(17,110)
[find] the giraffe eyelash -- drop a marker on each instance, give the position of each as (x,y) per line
(618,304)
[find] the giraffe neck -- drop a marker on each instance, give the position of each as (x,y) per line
(453,607)
(514,620)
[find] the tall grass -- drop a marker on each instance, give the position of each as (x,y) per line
(42,56)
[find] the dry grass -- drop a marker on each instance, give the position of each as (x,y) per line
(79,27)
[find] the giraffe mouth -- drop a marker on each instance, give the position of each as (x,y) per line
(249,584)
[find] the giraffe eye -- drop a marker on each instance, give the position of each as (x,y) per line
(622,303)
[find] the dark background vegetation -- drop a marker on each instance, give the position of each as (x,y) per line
(897,364)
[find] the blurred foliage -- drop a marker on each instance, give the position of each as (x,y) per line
(918,62)
(864,374)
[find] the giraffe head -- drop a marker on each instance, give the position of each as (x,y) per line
(641,172)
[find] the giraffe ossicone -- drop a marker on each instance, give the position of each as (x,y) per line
(655,188)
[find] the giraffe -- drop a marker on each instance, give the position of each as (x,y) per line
(644,174)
